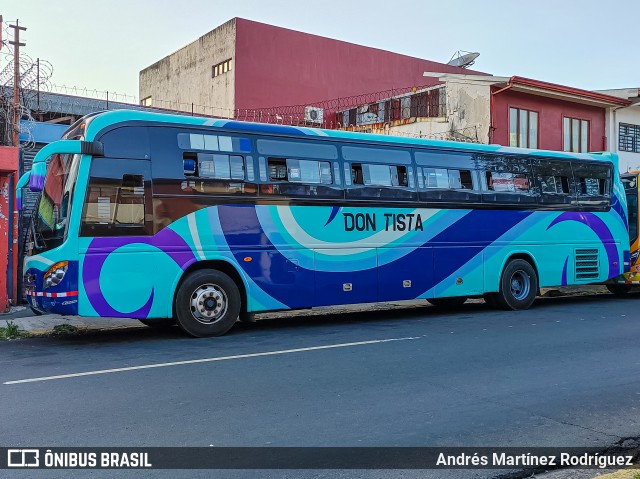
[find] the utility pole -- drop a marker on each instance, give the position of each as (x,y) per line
(16,81)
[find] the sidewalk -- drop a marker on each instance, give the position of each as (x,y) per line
(45,324)
(32,325)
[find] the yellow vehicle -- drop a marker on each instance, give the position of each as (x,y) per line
(630,181)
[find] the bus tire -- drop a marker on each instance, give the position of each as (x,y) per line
(450,302)
(518,285)
(207,303)
(618,289)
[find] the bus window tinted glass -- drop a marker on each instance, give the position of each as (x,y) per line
(448,178)
(309,171)
(554,184)
(436,178)
(507,182)
(277,168)
(224,167)
(593,179)
(379,175)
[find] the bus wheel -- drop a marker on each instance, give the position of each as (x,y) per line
(451,302)
(618,289)
(518,285)
(207,303)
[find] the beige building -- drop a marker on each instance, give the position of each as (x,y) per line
(198,77)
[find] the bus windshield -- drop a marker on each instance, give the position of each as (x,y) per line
(50,218)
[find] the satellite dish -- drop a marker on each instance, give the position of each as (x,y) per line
(463,59)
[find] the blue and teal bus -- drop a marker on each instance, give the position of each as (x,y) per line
(203,221)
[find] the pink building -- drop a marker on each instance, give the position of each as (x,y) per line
(245,65)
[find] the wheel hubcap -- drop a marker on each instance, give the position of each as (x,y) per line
(520,285)
(208,303)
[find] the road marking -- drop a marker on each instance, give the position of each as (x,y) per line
(209,360)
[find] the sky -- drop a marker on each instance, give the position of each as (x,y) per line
(102,45)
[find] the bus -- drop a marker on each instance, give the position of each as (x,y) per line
(202,221)
(624,283)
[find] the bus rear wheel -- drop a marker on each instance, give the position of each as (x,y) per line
(518,285)
(207,303)
(618,289)
(451,302)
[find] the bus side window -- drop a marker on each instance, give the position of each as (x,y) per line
(117,198)
(554,179)
(213,165)
(295,177)
(593,184)
(507,179)
(277,168)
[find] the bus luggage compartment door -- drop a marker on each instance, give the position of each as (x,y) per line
(345,277)
(404,273)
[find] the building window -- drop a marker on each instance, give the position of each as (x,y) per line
(146,101)
(220,68)
(629,137)
(523,128)
(575,134)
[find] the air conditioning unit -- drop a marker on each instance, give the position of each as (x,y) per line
(313,114)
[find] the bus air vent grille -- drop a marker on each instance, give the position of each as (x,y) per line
(587,262)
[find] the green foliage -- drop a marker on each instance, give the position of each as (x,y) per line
(12,331)
(65,330)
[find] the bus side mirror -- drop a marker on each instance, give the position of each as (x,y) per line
(36,178)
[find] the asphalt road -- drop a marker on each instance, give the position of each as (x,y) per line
(565,373)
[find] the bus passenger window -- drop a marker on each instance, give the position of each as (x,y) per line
(377,175)
(505,182)
(237,167)
(448,179)
(436,178)
(554,184)
(356,174)
(460,180)
(309,171)
(212,165)
(277,168)
(401,175)
(593,179)
(593,186)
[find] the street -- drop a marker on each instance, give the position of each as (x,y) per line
(564,373)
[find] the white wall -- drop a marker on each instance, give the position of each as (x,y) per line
(468,114)
(631,115)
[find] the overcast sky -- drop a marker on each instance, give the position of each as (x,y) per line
(102,45)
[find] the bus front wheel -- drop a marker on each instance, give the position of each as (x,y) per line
(518,285)
(207,303)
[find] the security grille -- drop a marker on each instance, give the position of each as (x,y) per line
(587,262)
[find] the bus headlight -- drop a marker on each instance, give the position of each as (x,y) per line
(55,274)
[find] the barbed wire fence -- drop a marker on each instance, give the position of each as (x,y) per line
(382,112)
(34,83)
